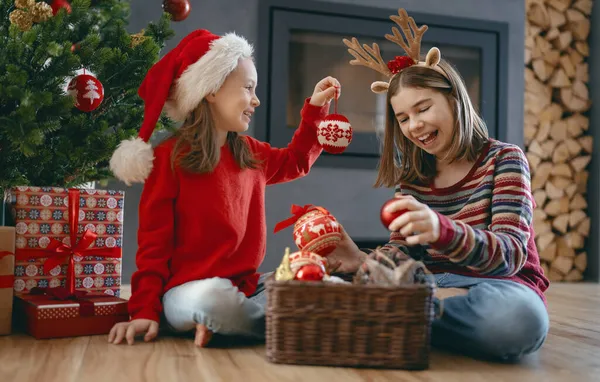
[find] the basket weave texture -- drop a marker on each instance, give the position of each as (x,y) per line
(331,324)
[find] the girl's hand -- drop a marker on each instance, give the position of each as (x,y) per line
(128,330)
(346,257)
(420,225)
(325,91)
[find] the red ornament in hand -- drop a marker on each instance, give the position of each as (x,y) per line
(335,133)
(388,217)
(310,272)
(58,4)
(318,232)
(87,91)
(179,9)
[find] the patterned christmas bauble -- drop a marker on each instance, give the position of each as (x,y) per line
(388,217)
(179,9)
(58,4)
(335,133)
(87,92)
(317,231)
(301,258)
(310,272)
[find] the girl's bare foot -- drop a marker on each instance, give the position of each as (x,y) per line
(442,293)
(203,336)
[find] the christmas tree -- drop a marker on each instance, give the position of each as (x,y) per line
(48,134)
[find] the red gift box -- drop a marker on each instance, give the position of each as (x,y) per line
(45,316)
(70,238)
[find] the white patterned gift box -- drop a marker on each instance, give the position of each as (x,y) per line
(42,222)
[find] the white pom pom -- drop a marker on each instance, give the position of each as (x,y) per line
(132,161)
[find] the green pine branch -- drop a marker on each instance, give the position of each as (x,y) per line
(44,139)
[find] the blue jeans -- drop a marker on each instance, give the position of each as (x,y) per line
(497,319)
(217,304)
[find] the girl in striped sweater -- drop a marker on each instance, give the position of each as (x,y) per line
(469,212)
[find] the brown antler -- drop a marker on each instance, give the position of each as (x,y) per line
(369,56)
(412,45)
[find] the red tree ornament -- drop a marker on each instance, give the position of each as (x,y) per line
(301,258)
(315,229)
(179,9)
(388,217)
(58,4)
(335,132)
(87,92)
(310,272)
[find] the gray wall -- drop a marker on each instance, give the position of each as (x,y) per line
(593,245)
(347,193)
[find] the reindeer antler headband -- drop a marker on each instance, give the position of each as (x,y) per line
(371,56)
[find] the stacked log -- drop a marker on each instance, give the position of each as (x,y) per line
(558,145)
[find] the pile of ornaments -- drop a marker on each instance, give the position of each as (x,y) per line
(316,234)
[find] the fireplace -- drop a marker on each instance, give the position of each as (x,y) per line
(301,42)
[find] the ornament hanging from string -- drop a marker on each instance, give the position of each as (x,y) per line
(335,131)
(87,92)
(57,5)
(179,9)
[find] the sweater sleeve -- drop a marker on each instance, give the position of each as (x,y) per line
(500,250)
(294,161)
(155,239)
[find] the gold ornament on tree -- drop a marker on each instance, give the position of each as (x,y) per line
(29,12)
(138,38)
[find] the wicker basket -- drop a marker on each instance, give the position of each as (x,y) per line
(331,324)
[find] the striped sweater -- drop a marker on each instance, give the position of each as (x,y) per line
(486,221)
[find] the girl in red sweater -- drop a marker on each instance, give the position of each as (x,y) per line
(202,226)
(466,204)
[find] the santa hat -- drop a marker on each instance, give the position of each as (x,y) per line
(177,83)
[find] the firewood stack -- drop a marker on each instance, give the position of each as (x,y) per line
(557,142)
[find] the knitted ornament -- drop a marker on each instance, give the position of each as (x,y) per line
(177,83)
(334,132)
(315,229)
(87,92)
(302,258)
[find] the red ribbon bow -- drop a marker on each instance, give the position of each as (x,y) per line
(297,211)
(58,252)
(6,281)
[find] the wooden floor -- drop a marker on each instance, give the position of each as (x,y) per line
(571,353)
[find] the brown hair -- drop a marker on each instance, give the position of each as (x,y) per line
(410,163)
(196,148)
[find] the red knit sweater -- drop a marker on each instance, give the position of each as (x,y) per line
(194,227)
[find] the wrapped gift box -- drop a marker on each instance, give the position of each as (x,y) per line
(48,219)
(46,317)
(7,266)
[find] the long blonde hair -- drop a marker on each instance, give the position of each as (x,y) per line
(196,148)
(401,160)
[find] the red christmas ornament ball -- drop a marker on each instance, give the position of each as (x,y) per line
(302,258)
(58,4)
(87,92)
(335,133)
(310,272)
(388,217)
(179,9)
(318,232)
